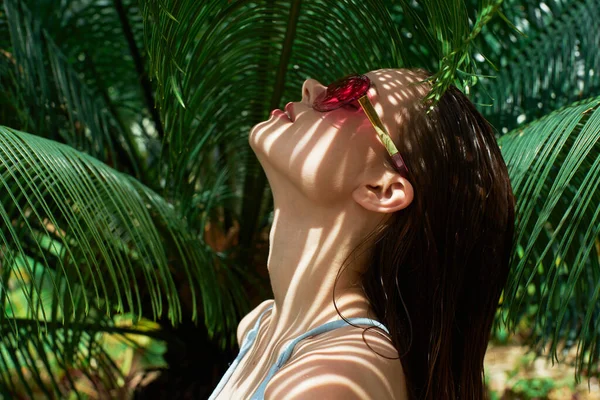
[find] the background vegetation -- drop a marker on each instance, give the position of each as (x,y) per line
(133,237)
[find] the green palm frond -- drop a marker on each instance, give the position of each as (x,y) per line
(109,61)
(555,64)
(48,350)
(554,164)
(104,242)
(61,106)
(51,359)
(100,229)
(444,28)
(59,356)
(102,60)
(80,242)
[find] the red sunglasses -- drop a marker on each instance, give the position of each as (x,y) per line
(349,89)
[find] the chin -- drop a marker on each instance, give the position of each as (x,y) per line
(258,131)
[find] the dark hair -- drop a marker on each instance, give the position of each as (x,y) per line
(437,267)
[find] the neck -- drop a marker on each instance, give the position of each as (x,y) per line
(308,246)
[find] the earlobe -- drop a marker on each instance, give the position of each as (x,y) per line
(387,197)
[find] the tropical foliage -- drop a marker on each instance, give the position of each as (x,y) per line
(116,213)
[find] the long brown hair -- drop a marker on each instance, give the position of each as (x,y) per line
(438,266)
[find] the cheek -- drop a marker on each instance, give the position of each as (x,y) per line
(321,157)
(330,163)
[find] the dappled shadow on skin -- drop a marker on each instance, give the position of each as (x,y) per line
(313,165)
(324,361)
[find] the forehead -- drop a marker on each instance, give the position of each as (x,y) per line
(398,84)
(394,92)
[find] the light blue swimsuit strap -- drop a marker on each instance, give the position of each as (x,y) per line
(287,350)
(246,344)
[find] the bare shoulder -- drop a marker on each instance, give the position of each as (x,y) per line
(340,365)
(250,319)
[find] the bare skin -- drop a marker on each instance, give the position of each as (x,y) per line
(330,189)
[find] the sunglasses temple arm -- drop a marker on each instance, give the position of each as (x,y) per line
(383,135)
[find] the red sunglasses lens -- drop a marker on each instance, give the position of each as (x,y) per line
(342,92)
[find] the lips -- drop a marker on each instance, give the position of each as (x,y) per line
(277,112)
(289,110)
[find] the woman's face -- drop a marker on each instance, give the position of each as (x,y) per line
(325,155)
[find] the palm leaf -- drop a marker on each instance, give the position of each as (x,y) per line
(554,65)
(103,231)
(443,27)
(80,242)
(103,60)
(554,164)
(61,106)
(59,357)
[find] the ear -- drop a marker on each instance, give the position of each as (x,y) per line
(389,193)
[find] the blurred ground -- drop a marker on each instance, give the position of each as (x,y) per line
(513,374)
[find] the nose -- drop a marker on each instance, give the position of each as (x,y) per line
(311,89)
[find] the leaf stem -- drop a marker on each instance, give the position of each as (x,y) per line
(139,67)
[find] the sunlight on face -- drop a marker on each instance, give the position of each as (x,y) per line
(323,153)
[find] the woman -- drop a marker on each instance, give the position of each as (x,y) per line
(407,252)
